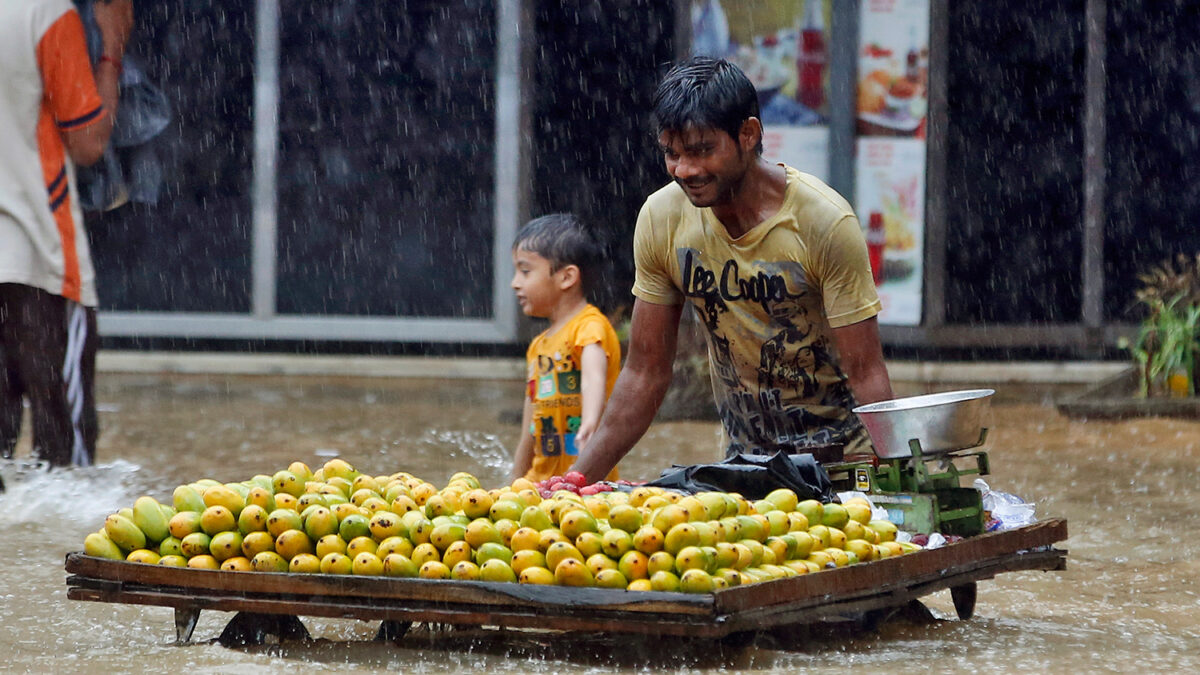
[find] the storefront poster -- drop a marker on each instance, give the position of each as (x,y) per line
(890,152)
(783,47)
(891,183)
(893,68)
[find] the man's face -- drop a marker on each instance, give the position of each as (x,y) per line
(707,163)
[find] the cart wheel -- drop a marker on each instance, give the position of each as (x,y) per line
(964,600)
(392,631)
(185,624)
(247,628)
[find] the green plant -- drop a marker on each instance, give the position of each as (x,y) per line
(1167,345)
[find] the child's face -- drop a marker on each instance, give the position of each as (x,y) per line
(538,289)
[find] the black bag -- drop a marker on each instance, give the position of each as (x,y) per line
(753,476)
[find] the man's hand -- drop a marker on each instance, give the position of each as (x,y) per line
(639,390)
(114,18)
(861,356)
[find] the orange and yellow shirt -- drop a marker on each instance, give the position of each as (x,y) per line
(554,379)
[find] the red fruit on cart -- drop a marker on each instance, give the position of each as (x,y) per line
(575,478)
(589,490)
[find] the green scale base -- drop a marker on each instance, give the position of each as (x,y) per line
(923,494)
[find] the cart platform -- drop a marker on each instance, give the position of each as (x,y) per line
(811,598)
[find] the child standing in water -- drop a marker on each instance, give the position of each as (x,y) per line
(573,365)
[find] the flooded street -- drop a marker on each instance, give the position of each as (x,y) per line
(1129,600)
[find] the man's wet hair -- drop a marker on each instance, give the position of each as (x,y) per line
(705,93)
(564,240)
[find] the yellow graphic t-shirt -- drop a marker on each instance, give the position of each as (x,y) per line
(553,369)
(768,300)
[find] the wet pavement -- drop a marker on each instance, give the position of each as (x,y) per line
(1129,600)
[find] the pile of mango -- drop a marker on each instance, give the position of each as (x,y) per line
(339,521)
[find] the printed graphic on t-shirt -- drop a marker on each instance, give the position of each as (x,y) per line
(558,387)
(767,303)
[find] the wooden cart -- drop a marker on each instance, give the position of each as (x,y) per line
(854,591)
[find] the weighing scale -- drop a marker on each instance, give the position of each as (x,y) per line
(923,494)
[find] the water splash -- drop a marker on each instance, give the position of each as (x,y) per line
(82,495)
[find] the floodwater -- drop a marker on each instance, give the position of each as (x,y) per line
(1129,600)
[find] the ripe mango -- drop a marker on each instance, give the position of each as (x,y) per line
(660,562)
(268,561)
(149,518)
(339,468)
(465,570)
(237,564)
(361,545)
(262,497)
(291,543)
(663,580)
(395,544)
(589,544)
(217,519)
(194,544)
(448,533)
(226,545)
(301,471)
(537,575)
(330,543)
(571,572)
(476,503)
(169,546)
(634,565)
(99,545)
(434,569)
(696,581)
(397,565)
(281,520)
(254,543)
(493,551)
(497,570)
(124,533)
(812,509)
(680,537)
(203,562)
(320,522)
(366,564)
(383,524)
(253,518)
(625,517)
(186,498)
(336,563)
(353,526)
(224,496)
(648,539)
(616,543)
(456,553)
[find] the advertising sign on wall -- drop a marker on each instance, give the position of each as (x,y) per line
(890,119)
(783,47)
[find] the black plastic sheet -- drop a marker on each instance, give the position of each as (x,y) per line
(753,476)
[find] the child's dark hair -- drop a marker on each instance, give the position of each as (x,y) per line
(562,239)
(704,92)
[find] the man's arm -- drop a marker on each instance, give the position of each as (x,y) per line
(861,357)
(114,18)
(639,390)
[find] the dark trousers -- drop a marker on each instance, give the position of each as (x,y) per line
(48,355)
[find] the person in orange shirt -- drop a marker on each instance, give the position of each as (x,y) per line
(55,113)
(573,365)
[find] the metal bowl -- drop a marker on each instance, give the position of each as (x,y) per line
(943,422)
